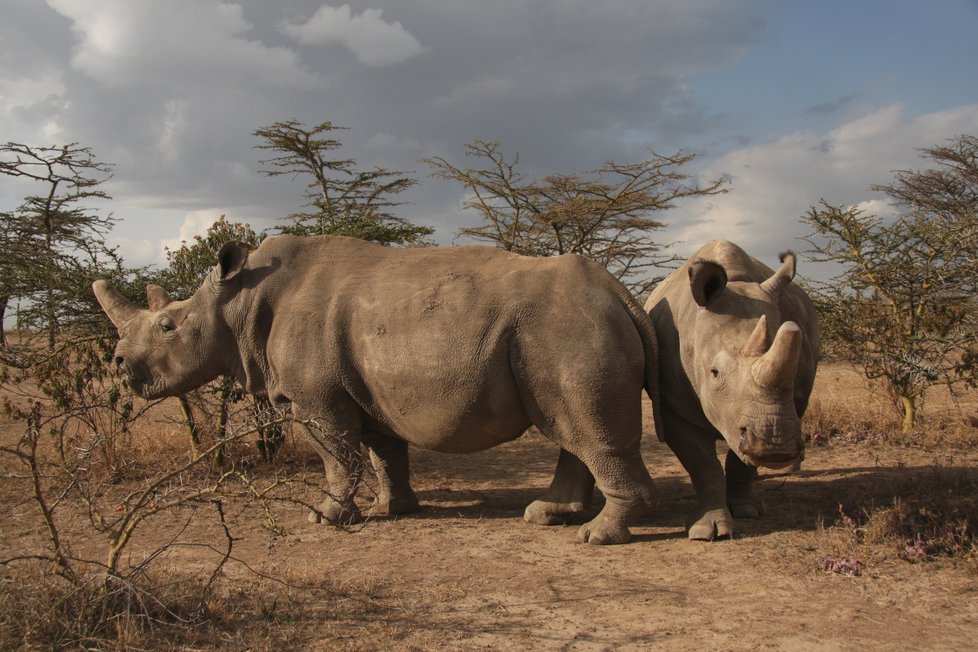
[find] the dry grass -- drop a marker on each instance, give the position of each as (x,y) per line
(932,514)
(846,407)
(932,517)
(173,611)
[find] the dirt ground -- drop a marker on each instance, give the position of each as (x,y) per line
(468,573)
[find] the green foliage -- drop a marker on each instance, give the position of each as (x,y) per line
(188,265)
(904,306)
(343,200)
(607,215)
(53,245)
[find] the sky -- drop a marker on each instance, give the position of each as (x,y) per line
(791,101)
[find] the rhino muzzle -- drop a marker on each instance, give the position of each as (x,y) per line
(774,446)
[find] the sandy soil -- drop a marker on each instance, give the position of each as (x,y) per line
(468,573)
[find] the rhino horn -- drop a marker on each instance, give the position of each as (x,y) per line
(777,368)
(157,297)
(780,279)
(119,309)
(758,342)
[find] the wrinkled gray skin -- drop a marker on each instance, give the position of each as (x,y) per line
(738,349)
(451,349)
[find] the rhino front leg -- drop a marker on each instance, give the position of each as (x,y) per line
(696,450)
(569,493)
(389,458)
(338,444)
(741,500)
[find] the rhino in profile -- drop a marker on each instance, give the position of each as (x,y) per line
(452,349)
(738,350)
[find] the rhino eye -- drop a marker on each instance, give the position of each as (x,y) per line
(715,372)
(166,326)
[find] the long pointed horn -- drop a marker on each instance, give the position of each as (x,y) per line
(758,342)
(777,368)
(780,279)
(117,307)
(157,297)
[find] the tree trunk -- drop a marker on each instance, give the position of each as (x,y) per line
(4,301)
(909,406)
(191,423)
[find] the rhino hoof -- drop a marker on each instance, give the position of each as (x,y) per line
(335,515)
(394,506)
(746,509)
(715,524)
(541,512)
(599,533)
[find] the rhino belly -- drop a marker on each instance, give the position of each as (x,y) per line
(450,415)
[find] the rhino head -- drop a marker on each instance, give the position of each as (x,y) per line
(744,362)
(175,346)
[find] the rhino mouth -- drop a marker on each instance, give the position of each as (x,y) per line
(141,385)
(773,461)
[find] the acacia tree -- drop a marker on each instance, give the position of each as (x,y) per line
(607,214)
(343,199)
(57,245)
(903,307)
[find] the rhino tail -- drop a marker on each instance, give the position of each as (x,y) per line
(643,324)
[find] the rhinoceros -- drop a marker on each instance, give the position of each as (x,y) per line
(738,350)
(452,349)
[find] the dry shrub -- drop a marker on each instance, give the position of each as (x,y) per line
(174,611)
(849,418)
(847,407)
(933,515)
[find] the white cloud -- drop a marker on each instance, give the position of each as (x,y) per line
(17,92)
(775,183)
(374,41)
(161,42)
(194,223)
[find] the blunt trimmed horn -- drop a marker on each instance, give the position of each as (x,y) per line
(777,368)
(118,308)
(157,297)
(758,342)
(780,279)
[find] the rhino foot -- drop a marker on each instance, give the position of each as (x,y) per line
(542,512)
(334,513)
(714,524)
(749,508)
(742,502)
(602,532)
(394,505)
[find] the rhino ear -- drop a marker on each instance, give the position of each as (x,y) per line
(706,281)
(157,297)
(231,260)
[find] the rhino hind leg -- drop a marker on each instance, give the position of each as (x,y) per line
(628,493)
(696,450)
(741,499)
(569,493)
(389,458)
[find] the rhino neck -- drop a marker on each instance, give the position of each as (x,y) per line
(249,329)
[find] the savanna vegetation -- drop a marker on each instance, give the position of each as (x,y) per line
(178,524)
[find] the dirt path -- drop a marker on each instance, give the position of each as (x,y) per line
(468,573)
(473,575)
